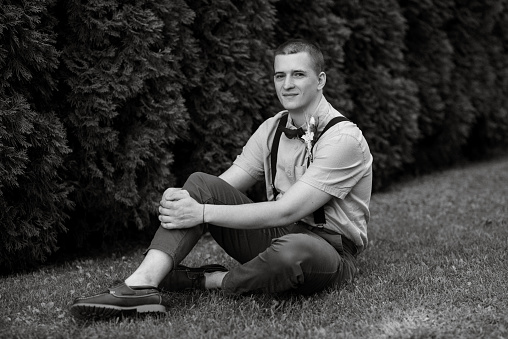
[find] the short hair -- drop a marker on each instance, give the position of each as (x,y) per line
(300,45)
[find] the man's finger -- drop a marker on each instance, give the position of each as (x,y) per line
(169,191)
(164,210)
(178,195)
(164,218)
(167,225)
(166,204)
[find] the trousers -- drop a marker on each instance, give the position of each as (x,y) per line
(281,259)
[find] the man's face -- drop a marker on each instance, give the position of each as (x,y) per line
(297,84)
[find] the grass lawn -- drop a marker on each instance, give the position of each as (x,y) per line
(436,266)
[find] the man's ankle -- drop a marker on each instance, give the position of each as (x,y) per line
(213,280)
(138,280)
(134,283)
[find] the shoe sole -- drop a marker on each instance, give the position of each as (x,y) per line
(205,269)
(88,311)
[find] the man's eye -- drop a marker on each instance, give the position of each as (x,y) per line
(298,75)
(279,77)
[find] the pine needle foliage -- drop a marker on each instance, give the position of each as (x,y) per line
(125,107)
(234,81)
(455,54)
(33,197)
(478,32)
(431,65)
(385,103)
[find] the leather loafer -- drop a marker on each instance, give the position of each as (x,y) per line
(184,278)
(118,299)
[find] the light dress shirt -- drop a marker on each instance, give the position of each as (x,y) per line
(341,167)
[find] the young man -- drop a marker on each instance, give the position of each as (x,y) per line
(304,239)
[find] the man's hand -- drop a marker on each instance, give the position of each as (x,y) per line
(170,191)
(178,210)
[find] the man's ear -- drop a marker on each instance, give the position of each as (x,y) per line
(321,80)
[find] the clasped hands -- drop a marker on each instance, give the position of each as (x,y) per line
(179,210)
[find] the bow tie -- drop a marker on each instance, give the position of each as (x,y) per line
(292,133)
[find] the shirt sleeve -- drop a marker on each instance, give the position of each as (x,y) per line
(339,163)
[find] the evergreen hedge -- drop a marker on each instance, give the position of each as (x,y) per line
(123,108)
(34,195)
(457,57)
(385,105)
(105,104)
(227,101)
(318,23)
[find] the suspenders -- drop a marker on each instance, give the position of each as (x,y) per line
(319,214)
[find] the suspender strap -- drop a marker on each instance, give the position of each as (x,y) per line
(319,214)
(332,122)
(275,148)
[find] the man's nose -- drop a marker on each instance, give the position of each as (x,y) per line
(288,82)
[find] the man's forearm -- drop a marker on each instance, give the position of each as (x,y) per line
(248,216)
(179,210)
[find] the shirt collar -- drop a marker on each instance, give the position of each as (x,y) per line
(321,115)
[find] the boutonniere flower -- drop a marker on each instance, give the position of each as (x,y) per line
(309,137)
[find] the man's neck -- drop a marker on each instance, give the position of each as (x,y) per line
(299,117)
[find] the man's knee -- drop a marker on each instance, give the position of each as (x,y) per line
(197,177)
(290,250)
(198,180)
